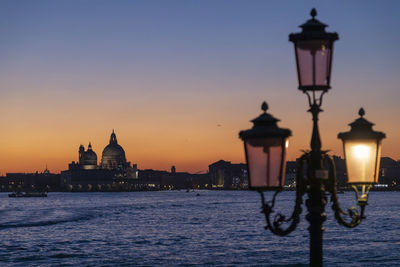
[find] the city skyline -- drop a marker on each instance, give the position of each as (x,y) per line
(178,80)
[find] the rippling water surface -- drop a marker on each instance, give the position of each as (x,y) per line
(176,228)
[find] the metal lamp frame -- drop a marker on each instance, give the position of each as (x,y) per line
(316,177)
(316,171)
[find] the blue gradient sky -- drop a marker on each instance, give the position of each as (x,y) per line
(177,80)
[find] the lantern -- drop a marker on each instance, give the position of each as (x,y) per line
(314,49)
(265,147)
(362,151)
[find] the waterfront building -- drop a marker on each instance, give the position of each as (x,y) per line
(389,172)
(174,180)
(44,181)
(225,175)
(113,172)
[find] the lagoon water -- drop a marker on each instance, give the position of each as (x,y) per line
(176,228)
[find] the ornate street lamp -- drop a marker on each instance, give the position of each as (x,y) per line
(266,143)
(362,150)
(314,49)
(265,146)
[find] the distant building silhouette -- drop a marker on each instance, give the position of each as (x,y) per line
(226,175)
(113,172)
(174,180)
(44,181)
(389,172)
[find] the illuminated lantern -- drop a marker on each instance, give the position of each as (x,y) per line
(362,151)
(265,147)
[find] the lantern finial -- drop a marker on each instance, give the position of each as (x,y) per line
(361,112)
(264,107)
(313,13)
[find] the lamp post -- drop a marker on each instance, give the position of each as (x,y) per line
(265,148)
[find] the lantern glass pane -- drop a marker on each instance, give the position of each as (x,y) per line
(264,158)
(314,62)
(361,160)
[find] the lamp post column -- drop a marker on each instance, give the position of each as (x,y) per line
(316,216)
(316,196)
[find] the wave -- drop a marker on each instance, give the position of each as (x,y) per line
(65,255)
(83,217)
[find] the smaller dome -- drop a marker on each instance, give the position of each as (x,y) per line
(90,154)
(88,159)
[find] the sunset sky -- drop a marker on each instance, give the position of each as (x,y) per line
(178,80)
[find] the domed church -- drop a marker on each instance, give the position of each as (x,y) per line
(113,156)
(113,168)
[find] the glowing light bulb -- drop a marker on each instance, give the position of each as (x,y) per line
(361,151)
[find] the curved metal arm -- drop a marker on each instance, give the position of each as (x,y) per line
(279,219)
(315,100)
(353,212)
(362,198)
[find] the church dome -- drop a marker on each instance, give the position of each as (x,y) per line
(90,154)
(113,156)
(87,159)
(113,150)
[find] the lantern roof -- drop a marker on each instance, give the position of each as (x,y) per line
(361,129)
(265,125)
(313,29)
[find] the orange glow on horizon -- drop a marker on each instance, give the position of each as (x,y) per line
(190,148)
(168,132)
